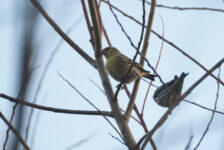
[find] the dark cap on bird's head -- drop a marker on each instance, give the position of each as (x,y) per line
(108,51)
(105,50)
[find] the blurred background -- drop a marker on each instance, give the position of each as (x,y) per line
(28,41)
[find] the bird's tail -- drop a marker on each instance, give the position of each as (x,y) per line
(183,75)
(178,85)
(150,76)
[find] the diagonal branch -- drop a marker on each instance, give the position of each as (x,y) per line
(15,132)
(81,52)
(212,117)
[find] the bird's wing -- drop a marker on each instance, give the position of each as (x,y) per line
(136,65)
(163,87)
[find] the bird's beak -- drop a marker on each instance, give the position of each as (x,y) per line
(104,52)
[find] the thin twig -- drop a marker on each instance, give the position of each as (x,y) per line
(98,110)
(218,112)
(167,41)
(88,22)
(101,22)
(165,116)
(40,84)
(188,8)
(116,138)
(213,114)
(14,131)
(63,34)
(156,67)
(189,143)
(80,142)
(143,52)
(15,106)
(53,109)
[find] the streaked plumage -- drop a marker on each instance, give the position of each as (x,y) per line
(118,64)
(165,97)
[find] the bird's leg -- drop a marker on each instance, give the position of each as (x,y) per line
(119,85)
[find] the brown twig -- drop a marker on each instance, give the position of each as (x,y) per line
(165,116)
(63,34)
(143,52)
(212,117)
(53,109)
(101,22)
(193,103)
(156,67)
(167,41)
(52,55)
(89,26)
(15,106)
(188,8)
(86,99)
(14,131)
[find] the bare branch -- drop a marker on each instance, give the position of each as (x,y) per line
(212,117)
(143,52)
(188,8)
(14,131)
(193,103)
(52,109)
(52,55)
(15,106)
(156,66)
(91,104)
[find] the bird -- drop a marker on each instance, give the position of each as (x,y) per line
(168,93)
(118,65)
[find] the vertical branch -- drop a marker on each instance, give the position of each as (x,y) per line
(144,50)
(125,131)
(89,26)
(213,113)
(156,66)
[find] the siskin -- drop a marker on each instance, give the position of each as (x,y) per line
(168,93)
(118,65)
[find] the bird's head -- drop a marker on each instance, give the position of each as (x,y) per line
(110,51)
